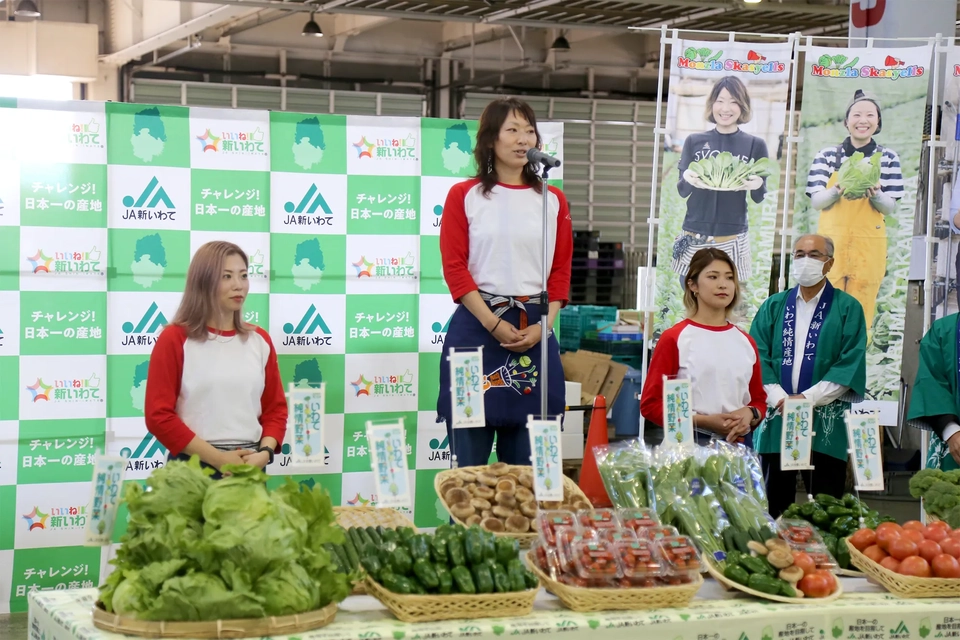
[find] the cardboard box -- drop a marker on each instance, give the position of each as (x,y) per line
(571,446)
(597,374)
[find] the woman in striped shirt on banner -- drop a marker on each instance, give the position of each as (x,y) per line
(857,226)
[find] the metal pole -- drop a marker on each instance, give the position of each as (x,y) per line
(791,139)
(544,298)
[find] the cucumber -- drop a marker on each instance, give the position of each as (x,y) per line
(374,536)
(353,558)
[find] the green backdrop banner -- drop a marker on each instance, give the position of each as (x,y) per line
(101,208)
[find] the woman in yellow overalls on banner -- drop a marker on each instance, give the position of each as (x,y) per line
(857,226)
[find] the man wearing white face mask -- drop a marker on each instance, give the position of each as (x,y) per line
(812,341)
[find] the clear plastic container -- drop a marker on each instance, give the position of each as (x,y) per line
(660,531)
(567,537)
(596,560)
(638,519)
(680,557)
(549,521)
(599,519)
(546,558)
(798,531)
(639,561)
(617,535)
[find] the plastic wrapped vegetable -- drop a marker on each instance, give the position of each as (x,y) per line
(625,470)
(743,470)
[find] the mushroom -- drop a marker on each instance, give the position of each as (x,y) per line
(777,543)
(499,468)
(472,520)
(471,489)
(534,525)
(518,524)
(506,499)
(448,485)
(487,479)
(486,493)
(523,494)
(468,477)
(462,510)
(492,524)
(793,574)
(479,504)
(552,506)
(526,479)
(486,513)
(502,512)
(780,558)
(457,495)
(510,476)
(529,509)
(757,548)
(506,485)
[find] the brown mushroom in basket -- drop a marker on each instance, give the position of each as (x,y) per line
(526,479)
(448,485)
(523,494)
(552,506)
(480,504)
(462,510)
(506,485)
(486,514)
(456,495)
(471,488)
(510,476)
(517,524)
(487,479)
(502,512)
(506,499)
(499,468)
(467,476)
(472,520)
(492,524)
(529,509)
(484,492)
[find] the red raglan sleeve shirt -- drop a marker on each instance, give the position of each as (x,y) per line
(163,390)
(665,362)
(273,402)
(558,283)
(455,242)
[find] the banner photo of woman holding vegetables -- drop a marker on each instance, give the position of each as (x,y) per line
(725,116)
(858,163)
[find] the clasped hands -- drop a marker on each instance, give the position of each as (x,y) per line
(733,425)
(516,340)
(258,459)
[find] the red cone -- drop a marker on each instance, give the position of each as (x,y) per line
(590,482)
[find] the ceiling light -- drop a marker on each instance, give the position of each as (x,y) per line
(752,1)
(27,9)
(309,29)
(560,44)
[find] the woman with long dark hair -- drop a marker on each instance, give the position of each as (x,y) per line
(490,243)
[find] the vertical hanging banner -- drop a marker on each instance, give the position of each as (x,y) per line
(306,423)
(466,376)
(108,475)
(796,435)
(863,434)
(547,459)
(858,164)
(725,116)
(677,413)
(388,459)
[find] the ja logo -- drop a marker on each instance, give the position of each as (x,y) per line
(153,203)
(438,212)
(439,449)
(149,448)
(304,333)
(143,334)
(286,450)
(311,202)
(440,331)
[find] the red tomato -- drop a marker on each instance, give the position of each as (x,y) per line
(890,563)
(805,562)
(955,533)
(913,525)
(875,553)
(929,550)
(889,526)
(914,535)
(915,566)
(831,578)
(902,548)
(863,539)
(946,566)
(935,532)
(886,536)
(815,586)
(951,546)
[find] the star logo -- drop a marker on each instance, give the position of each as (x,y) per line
(40,262)
(364,148)
(39,391)
(209,142)
(35,519)
(363,267)
(362,386)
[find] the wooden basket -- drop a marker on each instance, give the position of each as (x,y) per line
(525,539)
(723,580)
(244,628)
(430,608)
(348,517)
(904,586)
(587,600)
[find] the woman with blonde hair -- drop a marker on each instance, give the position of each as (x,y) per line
(213,386)
(719,359)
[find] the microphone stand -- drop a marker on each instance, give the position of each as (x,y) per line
(544,297)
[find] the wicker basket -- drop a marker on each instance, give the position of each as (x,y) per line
(723,580)
(245,628)
(429,608)
(525,539)
(348,517)
(904,586)
(850,573)
(587,600)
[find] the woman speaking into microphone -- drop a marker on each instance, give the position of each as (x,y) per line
(491,242)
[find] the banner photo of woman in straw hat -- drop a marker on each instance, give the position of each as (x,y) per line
(725,117)
(861,127)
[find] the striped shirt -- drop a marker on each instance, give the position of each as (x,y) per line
(829,160)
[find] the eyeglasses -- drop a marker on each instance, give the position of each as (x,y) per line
(816,255)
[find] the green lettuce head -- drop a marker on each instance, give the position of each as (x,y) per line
(288,589)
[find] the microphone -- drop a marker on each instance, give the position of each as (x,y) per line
(535,156)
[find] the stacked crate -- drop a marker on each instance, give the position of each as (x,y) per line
(598,270)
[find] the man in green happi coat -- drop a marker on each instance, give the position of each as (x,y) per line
(935,403)
(812,341)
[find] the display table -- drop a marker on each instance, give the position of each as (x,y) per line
(865,612)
